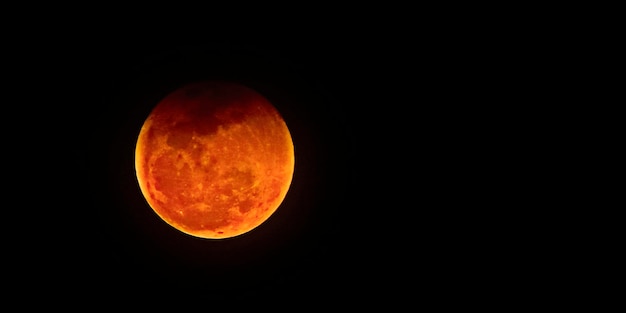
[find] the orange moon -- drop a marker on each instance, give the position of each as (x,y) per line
(214,159)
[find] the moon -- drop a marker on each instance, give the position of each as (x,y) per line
(214,159)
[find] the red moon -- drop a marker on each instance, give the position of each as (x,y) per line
(214,159)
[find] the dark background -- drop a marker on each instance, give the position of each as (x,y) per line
(400,171)
(419,173)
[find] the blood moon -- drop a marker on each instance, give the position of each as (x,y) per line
(214,159)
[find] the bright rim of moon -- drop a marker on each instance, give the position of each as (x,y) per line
(214,159)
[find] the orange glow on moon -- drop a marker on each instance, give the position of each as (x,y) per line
(214,159)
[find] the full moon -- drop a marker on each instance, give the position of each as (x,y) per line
(214,159)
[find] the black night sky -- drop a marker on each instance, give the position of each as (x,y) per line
(401,187)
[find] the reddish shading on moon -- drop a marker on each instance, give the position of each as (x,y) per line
(214,159)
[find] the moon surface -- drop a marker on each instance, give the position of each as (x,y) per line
(214,159)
